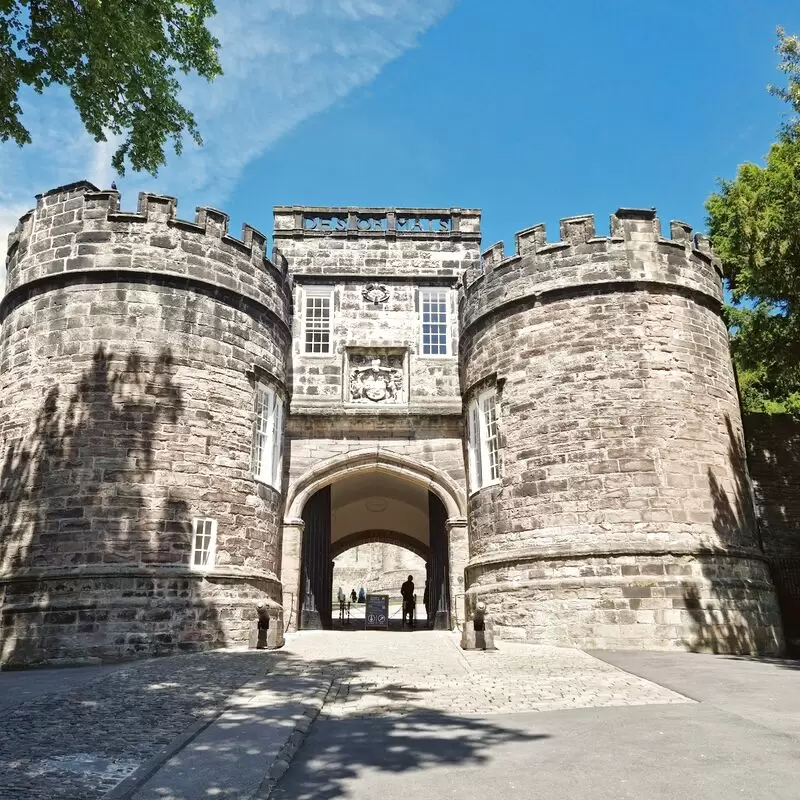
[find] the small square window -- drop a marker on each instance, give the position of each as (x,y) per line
(204,543)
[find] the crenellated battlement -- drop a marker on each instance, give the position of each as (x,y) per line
(79,228)
(634,251)
(94,204)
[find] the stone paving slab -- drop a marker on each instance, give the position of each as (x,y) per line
(229,759)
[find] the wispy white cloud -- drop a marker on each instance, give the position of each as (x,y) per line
(284,61)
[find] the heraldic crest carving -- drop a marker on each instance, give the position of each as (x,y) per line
(376,382)
(375,293)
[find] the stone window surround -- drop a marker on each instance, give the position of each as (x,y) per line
(307,293)
(207,549)
(483,445)
(268,450)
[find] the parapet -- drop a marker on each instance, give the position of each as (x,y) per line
(377,243)
(292,222)
(634,252)
(78,228)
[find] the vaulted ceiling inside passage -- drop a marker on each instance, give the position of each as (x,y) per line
(375,500)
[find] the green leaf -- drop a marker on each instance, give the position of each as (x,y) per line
(119,60)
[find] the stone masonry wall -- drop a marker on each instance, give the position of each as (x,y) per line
(351,259)
(438,442)
(129,349)
(622,517)
(376,261)
(773,457)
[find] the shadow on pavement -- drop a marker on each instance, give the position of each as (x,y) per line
(784,663)
(229,759)
(344,750)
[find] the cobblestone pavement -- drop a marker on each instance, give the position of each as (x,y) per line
(379,673)
(78,743)
(78,740)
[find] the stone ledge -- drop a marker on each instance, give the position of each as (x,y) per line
(608,581)
(524,555)
(346,410)
(134,571)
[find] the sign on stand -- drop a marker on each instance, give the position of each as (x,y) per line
(376,613)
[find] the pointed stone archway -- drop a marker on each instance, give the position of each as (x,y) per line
(348,470)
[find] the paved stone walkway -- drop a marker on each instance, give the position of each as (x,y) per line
(379,673)
(79,740)
(78,743)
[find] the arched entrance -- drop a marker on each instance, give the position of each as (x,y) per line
(362,496)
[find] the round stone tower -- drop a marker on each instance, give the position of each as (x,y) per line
(615,510)
(132,348)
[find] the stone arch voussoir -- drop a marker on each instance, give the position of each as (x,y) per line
(402,467)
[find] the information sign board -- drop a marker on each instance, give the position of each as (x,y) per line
(376,613)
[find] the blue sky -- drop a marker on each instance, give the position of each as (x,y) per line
(529,110)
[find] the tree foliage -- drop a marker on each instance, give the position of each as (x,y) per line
(118,58)
(754,222)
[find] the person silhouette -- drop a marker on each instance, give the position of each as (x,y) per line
(409,601)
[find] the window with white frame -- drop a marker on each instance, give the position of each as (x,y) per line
(204,542)
(482,440)
(268,436)
(317,319)
(433,311)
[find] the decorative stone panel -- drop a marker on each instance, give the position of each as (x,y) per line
(376,377)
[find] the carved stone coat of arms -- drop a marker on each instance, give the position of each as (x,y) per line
(375,382)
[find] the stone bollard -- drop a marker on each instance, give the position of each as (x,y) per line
(478,633)
(268,633)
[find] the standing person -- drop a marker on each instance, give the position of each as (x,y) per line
(409,601)
(362,595)
(342,598)
(353,596)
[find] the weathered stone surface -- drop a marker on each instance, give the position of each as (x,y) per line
(129,351)
(126,410)
(622,517)
(773,457)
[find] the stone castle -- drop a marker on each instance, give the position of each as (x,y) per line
(191,432)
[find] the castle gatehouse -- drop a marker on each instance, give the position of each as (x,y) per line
(191,431)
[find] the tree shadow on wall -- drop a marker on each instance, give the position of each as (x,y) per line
(734,612)
(78,492)
(773,456)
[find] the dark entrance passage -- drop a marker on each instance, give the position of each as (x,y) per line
(317,571)
(438,566)
(318,609)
